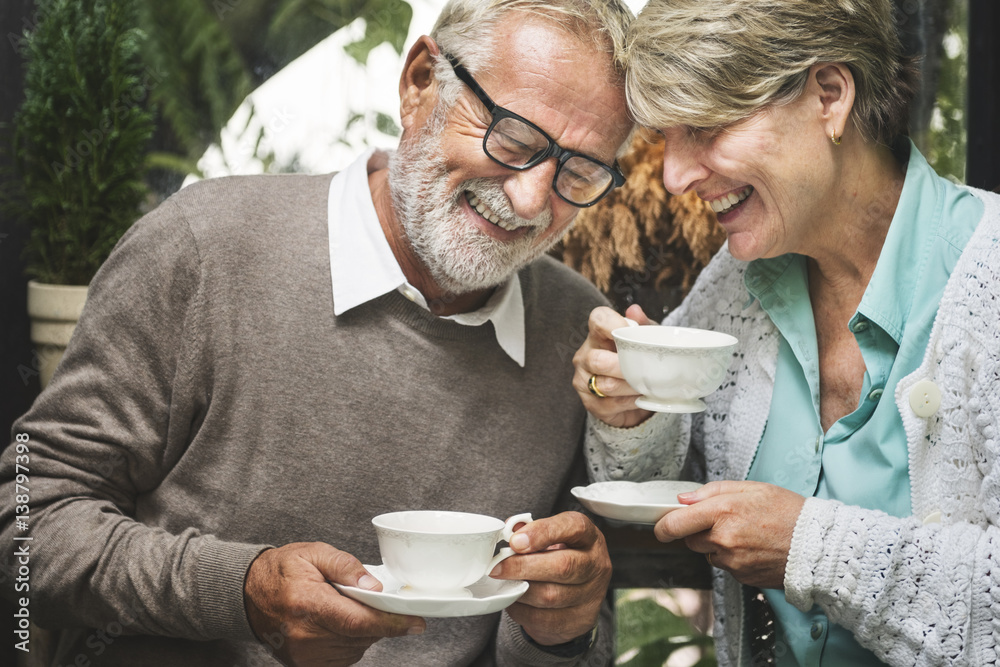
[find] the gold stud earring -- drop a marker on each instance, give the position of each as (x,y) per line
(834,139)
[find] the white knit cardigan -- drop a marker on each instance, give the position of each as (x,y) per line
(922,590)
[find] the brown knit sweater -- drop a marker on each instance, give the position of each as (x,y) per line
(210,404)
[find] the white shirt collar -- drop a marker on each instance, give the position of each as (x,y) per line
(363,268)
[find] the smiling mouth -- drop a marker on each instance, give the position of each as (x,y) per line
(483,210)
(727,203)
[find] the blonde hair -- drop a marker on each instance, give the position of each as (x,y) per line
(709,63)
(466,30)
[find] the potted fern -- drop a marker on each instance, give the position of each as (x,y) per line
(79,148)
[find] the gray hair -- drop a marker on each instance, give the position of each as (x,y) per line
(709,63)
(466,28)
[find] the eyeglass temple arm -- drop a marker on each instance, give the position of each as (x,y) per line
(467,79)
(462,73)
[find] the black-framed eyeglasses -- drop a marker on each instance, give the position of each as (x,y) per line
(519,144)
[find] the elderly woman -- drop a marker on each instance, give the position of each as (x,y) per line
(852,450)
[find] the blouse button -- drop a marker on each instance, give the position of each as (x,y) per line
(875,394)
(816,631)
(925,398)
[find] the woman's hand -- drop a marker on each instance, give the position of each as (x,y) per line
(598,358)
(746,527)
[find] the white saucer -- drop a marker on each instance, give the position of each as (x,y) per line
(634,502)
(678,405)
(488,595)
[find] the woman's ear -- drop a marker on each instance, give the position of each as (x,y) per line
(417,85)
(834,85)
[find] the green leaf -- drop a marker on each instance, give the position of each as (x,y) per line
(386,21)
(386,124)
(642,622)
(650,633)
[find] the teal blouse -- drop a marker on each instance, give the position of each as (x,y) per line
(862,459)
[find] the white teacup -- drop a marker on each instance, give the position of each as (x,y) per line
(438,553)
(673,367)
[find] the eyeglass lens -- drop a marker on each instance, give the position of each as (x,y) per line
(517,144)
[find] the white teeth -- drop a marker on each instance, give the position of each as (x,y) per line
(726,202)
(484,211)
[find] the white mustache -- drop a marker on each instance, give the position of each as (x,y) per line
(492,195)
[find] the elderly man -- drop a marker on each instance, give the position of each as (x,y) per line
(265,363)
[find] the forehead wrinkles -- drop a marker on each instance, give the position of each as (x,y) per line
(557,79)
(559,95)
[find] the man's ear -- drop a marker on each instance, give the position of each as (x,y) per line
(834,85)
(417,85)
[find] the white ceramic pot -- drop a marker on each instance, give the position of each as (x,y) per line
(54,311)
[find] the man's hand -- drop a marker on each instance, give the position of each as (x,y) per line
(566,561)
(745,526)
(292,607)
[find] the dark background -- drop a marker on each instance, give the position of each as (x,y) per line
(984,95)
(15,347)
(16,395)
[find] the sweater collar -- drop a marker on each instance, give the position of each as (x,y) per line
(363,267)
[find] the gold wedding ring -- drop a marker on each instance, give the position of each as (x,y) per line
(592,387)
(708,557)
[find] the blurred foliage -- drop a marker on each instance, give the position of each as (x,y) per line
(203,78)
(649,633)
(80,136)
(945,139)
(273,34)
(386,124)
(118,91)
(938,31)
(211,54)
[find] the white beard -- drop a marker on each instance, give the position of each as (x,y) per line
(459,257)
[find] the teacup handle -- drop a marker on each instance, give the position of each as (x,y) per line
(508,532)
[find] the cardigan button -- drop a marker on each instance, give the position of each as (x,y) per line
(933,517)
(925,398)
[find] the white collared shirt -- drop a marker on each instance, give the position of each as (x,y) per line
(363,267)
